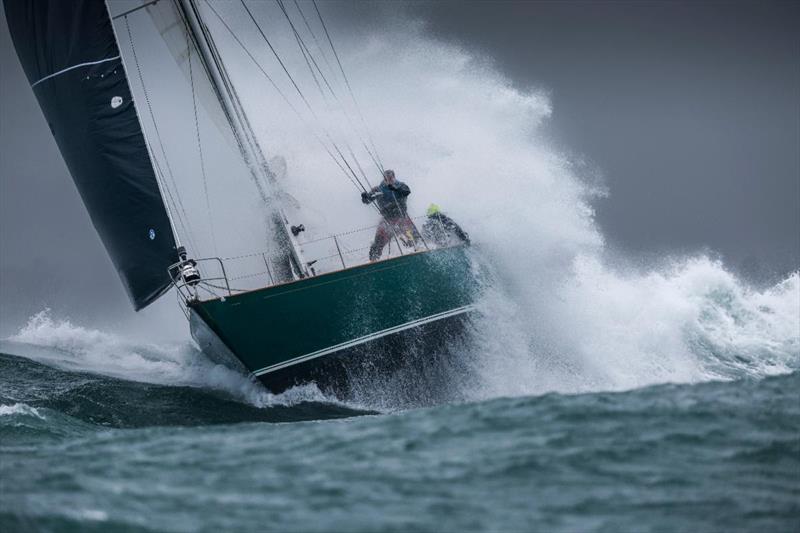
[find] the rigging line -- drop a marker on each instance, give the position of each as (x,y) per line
(344,160)
(346,80)
(306,51)
(170,198)
(294,83)
(357,183)
(158,135)
(286,99)
(303,50)
(355,159)
(313,35)
(174,212)
(200,144)
(354,180)
(311,109)
(275,53)
(243,136)
(306,55)
(310,69)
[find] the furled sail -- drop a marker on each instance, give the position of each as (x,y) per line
(69,53)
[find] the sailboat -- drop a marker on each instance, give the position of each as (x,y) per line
(312,316)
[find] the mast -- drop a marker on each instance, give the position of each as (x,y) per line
(243,132)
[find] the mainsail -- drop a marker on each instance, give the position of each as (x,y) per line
(70,55)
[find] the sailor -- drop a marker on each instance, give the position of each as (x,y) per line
(441,229)
(390,196)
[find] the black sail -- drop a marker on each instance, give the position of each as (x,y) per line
(70,56)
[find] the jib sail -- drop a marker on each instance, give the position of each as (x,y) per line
(70,56)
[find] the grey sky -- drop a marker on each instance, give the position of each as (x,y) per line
(691,111)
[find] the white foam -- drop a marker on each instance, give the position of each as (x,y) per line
(605,330)
(79,348)
(20,409)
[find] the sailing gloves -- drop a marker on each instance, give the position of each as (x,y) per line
(366,197)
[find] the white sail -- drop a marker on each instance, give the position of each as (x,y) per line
(177,35)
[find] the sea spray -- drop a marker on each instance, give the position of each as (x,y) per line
(690,321)
(78,348)
(557,315)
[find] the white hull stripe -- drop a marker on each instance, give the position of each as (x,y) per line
(365,338)
(62,71)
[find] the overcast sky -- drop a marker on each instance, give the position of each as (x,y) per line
(691,111)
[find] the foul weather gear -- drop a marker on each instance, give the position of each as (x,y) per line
(401,227)
(439,228)
(391,198)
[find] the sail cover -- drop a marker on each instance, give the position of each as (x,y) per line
(70,56)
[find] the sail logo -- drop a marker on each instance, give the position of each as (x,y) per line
(152,234)
(116,102)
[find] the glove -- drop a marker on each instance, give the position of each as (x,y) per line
(365,197)
(392,187)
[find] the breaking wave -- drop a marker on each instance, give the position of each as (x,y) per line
(20,409)
(688,322)
(76,348)
(562,311)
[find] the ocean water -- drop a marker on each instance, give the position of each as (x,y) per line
(100,433)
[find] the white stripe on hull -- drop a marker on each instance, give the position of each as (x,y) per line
(364,339)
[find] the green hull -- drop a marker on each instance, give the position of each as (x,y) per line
(291,333)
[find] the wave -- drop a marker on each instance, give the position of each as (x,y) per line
(601,329)
(20,409)
(78,348)
(40,400)
(179,367)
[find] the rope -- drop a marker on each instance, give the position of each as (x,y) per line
(200,144)
(354,180)
(308,55)
(286,99)
(305,51)
(299,92)
(313,35)
(347,83)
(180,211)
(275,53)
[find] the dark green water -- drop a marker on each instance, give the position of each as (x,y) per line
(83,452)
